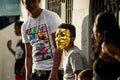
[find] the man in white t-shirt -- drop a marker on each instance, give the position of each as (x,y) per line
(38,35)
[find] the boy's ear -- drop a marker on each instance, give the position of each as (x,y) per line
(72,39)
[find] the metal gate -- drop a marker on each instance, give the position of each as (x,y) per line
(97,6)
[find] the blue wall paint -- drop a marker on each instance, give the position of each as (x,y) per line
(9,7)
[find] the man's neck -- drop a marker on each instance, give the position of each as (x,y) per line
(69,47)
(36,14)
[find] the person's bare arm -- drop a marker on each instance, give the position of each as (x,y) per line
(9,46)
(28,60)
(77,73)
(57,60)
(22,71)
(112,50)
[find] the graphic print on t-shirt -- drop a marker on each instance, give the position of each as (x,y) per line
(39,40)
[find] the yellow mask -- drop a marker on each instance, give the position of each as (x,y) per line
(62,38)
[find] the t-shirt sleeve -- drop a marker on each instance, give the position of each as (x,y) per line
(54,21)
(76,61)
(23,33)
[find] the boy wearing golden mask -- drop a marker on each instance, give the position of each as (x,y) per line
(73,61)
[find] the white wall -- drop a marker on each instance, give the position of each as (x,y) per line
(1,59)
(7,60)
(79,12)
(80,20)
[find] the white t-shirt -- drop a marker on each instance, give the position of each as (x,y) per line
(72,61)
(38,32)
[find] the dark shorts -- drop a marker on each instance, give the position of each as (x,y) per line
(44,75)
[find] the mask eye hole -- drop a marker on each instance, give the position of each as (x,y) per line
(62,34)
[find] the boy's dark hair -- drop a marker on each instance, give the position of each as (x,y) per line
(70,27)
(87,73)
(109,31)
(19,23)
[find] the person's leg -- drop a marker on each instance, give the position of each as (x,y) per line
(22,78)
(60,75)
(40,75)
(34,76)
(44,75)
(17,77)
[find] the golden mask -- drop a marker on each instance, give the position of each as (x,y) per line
(62,38)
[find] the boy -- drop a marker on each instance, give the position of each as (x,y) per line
(73,62)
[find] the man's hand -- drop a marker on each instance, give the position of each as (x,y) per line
(9,44)
(53,77)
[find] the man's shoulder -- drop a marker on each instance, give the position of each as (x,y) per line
(48,12)
(76,49)
(27,20)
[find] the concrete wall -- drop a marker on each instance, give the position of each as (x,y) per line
(7,60)
(80,20)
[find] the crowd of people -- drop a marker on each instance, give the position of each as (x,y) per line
(48,41)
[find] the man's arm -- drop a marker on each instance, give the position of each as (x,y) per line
(22,71)
(9,46)
(112,50)
(57,60)
(28,60)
